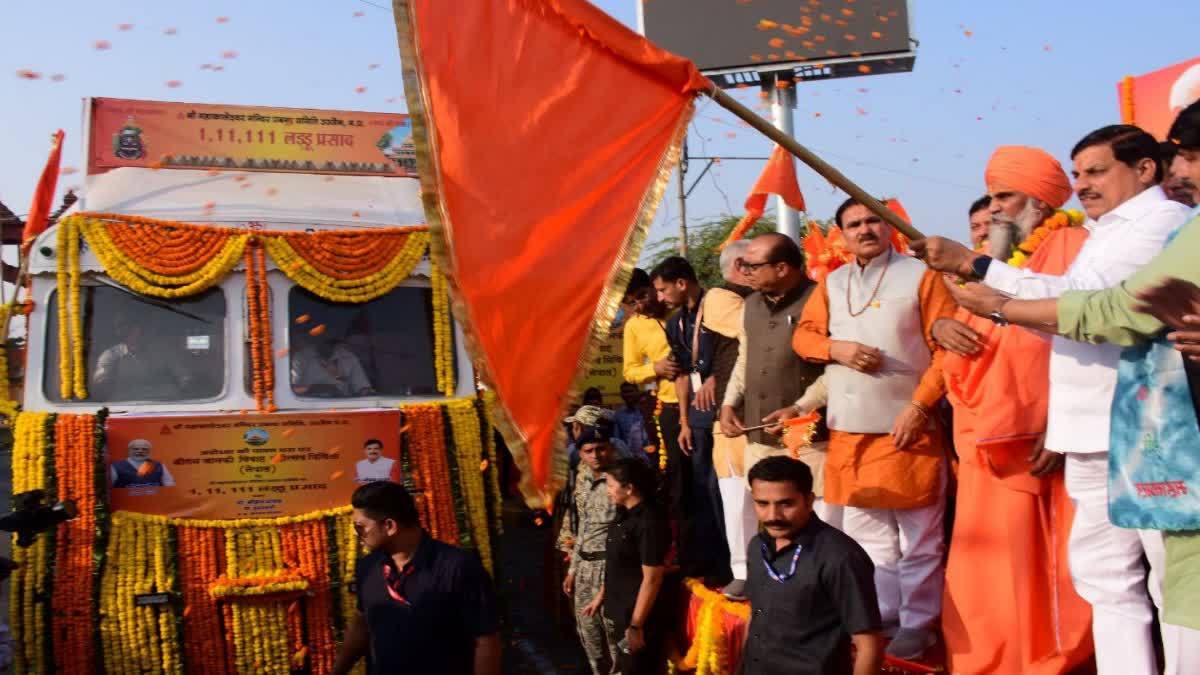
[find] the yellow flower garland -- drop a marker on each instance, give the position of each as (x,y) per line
(127,272)
(443,341)
(259,631)
(28,605)
(464,424)
(136,637)
(348,290)
(706,655)
(8,407)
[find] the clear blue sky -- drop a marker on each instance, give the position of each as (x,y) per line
(1036,72)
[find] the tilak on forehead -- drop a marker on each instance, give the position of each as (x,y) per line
(1032,171)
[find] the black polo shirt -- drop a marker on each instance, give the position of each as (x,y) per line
(803,625)
(639,536)
(448,602)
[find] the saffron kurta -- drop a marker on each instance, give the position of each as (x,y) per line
(1010,605)
(865,469)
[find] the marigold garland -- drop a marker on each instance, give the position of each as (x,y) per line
(28,603)
(1061,219)
(271,591)
(707,654)
(443,340)
(368,286)
(258,311)
(8,407)
(662,443)
(73,620)
(464,423)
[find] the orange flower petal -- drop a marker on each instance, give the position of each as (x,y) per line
(282,352)
(360,90)
(27,74)
(124,26)
(222,19)
(404,429)
(336,475)
(146,468)
(170,30)
(174,84)
(229,54)
(317,330)
(277,458)
(775,42)
(864,68)
(765,24)
(303,318)
(57,77)
(187,609)
(650,449)
(101,45)
(287,433)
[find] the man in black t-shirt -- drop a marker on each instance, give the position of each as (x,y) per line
(423,606)
(811,587)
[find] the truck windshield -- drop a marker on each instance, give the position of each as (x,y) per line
(379,348)
(144,349)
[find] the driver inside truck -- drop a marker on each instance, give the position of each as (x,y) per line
(134,368)
(327,368)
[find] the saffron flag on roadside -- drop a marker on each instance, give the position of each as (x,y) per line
(778,177)
(545,132)
(43,194)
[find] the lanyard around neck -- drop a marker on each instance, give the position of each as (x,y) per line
(771,569)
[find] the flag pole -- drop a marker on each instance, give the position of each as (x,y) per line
(815,163)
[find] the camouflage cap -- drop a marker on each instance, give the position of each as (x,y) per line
(589,415)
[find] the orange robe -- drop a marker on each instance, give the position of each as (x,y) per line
(866,470)
(1009,603)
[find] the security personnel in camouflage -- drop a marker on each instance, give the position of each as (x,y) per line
(585,577)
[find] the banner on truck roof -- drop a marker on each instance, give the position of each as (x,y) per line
(220,466)
(165,135)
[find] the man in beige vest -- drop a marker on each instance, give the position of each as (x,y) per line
(768,377)
(870,321)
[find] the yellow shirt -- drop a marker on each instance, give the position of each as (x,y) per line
(646,343)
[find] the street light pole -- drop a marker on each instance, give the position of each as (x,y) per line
(783,102)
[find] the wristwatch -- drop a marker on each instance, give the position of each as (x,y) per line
(997,316)
(979,266)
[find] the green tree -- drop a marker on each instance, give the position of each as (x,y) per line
(703,240)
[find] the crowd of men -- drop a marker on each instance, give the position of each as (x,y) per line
(989,376)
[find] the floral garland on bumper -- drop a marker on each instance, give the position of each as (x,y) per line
(265,595)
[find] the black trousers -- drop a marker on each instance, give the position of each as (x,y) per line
(677,486)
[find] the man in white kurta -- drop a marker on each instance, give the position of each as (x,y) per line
(375,467)
(1116,175)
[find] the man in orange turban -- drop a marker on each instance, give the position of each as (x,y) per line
(1026,186)
(1009,603)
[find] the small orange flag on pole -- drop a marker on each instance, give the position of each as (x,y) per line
(779,178)
(43,195)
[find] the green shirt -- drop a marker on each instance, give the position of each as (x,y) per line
(1108,316)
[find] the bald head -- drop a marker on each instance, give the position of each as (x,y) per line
(773,264)
(781,248)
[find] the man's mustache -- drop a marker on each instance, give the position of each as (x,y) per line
(1088,194)
(777,523)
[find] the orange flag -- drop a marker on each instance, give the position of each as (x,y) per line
(778,177)
(545,134)
(43,194)
(898,239)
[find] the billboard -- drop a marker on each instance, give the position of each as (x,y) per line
(166,135)
(1152,101)
(817,39)
(247,466)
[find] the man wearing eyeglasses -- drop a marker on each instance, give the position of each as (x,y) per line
(768,377)
(871,321)
(423,606)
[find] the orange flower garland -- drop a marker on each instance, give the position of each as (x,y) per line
(258,312)
(199,568)
(1061,219)
(427,443)
(73,618)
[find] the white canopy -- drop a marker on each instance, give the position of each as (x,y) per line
(285,199)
